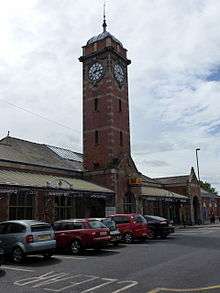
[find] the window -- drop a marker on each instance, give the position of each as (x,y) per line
(110,224)
(21,205)
(96,224)
(139,219)
(121,138)
(121,219)
(14,228)
(65,207)
(63,226)
(96,104)
(119,106)
(41,227)
(96,137)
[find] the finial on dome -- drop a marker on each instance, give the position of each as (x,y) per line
(104,25)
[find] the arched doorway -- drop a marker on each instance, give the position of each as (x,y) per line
(129,203)
(196,210)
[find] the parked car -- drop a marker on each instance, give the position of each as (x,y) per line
(114,232)
(22,237)
(131,226)
(79,234)
(159,226)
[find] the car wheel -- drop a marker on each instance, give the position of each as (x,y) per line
(76,247)
(17,255)
(116,243)
(47,255)
(128,238)
(163,236)
(152,235)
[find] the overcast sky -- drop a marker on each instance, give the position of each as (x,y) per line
(174,78)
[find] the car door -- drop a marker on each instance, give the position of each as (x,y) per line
(139,224)
(61,234)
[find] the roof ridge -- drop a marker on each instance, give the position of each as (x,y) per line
(61,148)
(20,139)
(171,176)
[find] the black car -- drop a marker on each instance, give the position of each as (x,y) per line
(160,227)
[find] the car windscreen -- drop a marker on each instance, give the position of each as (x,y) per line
(40,227)
(96,224)
(109,224)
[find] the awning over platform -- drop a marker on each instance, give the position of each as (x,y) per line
(28,179)
(157,193)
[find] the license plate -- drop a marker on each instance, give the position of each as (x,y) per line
(103,233)
(43,237)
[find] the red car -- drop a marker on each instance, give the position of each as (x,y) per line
(131,226)
(79,234)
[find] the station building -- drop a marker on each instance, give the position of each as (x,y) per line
(48,183)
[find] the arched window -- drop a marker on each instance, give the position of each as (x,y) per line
(96,104)
(121,138)
(129,203)
(119,106)
(96,137)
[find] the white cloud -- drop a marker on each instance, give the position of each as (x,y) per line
(174,47)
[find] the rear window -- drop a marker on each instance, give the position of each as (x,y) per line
(68,226)
(96,224)
(121,219)
(40,227)
(140,219)
(109,223)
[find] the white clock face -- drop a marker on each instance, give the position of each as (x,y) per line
(119,73)
(96,72)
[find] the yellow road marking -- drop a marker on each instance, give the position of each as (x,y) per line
(158,290)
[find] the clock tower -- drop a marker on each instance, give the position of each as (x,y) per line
(106,131)
(106,135)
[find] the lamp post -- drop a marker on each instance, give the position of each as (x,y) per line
(197,162)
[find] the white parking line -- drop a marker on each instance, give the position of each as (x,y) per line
(70,257)
(59,282)
(109,281)
(16,269)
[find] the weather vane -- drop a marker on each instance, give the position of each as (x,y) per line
(104,21)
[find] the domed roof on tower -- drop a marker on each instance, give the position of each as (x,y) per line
(104,34)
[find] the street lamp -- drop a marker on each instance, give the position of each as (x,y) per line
(197,161)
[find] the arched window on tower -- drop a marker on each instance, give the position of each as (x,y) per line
(119,106)
(121,138)
(96,104)
(96,137)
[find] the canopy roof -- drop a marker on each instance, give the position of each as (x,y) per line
(36,180)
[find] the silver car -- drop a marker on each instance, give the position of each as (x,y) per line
(22,237)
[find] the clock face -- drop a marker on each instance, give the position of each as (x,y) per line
(119,73)
(96,72)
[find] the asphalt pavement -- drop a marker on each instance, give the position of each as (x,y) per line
(188,261)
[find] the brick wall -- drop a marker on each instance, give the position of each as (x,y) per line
(44,210)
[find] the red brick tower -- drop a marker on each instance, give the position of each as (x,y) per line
(106,134)
(106,131)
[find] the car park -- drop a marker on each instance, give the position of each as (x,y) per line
(114,232)
(79,234)
(160,227)
(24,237)
(132,226)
